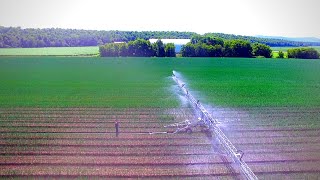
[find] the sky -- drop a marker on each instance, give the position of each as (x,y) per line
(290,18)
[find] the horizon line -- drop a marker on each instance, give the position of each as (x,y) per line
(87,29)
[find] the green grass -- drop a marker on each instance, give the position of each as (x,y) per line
(52,51)
(286,48)
(275,54)
(146,82)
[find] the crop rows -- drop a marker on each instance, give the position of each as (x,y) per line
(74,142)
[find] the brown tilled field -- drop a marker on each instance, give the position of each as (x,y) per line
(81,142)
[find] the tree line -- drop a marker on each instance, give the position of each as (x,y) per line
(13,37)
(273,42)
(210,46)
(138,48)
(200,46)
(303,53)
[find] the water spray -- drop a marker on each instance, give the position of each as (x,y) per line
(212,124)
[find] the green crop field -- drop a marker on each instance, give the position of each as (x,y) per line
(52,51)
(146,82)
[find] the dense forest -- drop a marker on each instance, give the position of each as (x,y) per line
(199,46)
(211,46)
(268,41)
(27,38)
(55,37)
(138,48)
(303,53)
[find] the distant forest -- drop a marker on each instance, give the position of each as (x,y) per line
(14,37)
(27,38)
(268,41)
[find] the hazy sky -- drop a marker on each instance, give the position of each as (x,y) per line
(293,18)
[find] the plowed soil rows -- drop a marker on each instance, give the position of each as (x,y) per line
(156,141)
(111,160)
(85,122)
(113,142)
(281,157)
(144,151)
(122,171)
(275,167)
(82,130)
(109,124)
(157,160)
(83,125)
(232,136)
(289,175)
(155,171)
(263,134)
(105,136)
(73,142)
(141,151)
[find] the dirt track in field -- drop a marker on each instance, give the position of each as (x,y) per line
(74,142)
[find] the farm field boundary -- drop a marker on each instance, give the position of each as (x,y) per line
(51,51)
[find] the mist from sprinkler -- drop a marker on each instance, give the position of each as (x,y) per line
(177,91)
(185,101)
(213,124)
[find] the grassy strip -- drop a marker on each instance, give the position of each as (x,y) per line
(51,51)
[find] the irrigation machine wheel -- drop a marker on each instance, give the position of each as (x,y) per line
(189,130)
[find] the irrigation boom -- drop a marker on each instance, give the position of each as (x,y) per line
(211,124)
